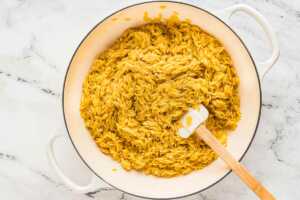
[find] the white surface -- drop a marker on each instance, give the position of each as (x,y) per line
(37,41)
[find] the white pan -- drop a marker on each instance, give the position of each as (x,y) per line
(138,184)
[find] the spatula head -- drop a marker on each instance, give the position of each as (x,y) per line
(191,120)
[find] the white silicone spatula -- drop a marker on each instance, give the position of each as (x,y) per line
(193,123)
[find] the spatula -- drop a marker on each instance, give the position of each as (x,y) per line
(193,122)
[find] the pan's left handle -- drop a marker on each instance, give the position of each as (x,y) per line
(225,14)
(94,185)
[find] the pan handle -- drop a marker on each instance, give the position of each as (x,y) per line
(265,66)
(94,185)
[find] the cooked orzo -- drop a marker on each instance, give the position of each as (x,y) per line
(138,89)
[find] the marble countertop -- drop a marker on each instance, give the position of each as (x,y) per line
(37,40)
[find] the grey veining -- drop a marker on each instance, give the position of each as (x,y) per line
(37,41)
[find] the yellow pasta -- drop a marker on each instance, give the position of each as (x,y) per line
(138,89)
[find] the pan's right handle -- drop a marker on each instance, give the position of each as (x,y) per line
(263,67)
(94,184)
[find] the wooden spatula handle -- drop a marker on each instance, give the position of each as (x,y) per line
(204,134)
